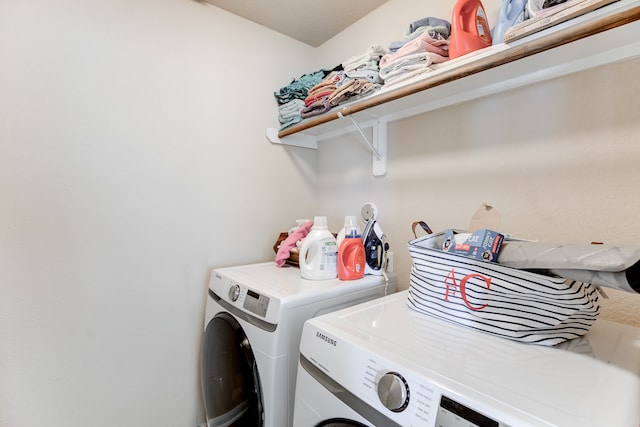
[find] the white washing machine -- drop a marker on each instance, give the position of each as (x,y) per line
(254,317)
(382,364)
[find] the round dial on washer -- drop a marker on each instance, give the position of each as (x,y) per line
(234,292)
(393,391)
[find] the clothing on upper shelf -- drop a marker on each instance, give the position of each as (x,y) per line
(316,101)
(324,88)
(289,113)
(290,109)
(423,43)
(299,87)
(359,75)
(409,66)
(439,25)
(436,27)
(372,74)
(291,98)
(316,108)
(291,122)
(414,58)
(352,89)
(367,59)
(316,93)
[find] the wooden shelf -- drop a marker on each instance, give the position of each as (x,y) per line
(601,37)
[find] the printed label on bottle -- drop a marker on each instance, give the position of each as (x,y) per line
(329,257)
(482,23)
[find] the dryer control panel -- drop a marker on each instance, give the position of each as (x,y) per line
(240,296)
(413,400)
(250,300)
(253,301)
(256,303)
(455,414)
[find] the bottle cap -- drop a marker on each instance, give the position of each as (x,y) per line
(351,226)
(350,221)
(320,222)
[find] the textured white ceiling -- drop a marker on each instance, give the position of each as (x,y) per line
(310,21)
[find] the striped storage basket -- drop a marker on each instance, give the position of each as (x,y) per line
(496,299)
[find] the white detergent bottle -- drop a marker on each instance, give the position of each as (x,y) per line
(319,252)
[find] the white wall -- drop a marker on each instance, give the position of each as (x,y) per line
(132,161)
(558,160)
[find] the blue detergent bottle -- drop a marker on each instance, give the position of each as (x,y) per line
(511,13)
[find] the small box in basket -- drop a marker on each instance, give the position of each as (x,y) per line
(482,244)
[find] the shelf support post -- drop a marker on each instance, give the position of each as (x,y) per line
(378,145)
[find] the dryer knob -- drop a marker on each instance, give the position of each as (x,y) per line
(234,292)
(393,391)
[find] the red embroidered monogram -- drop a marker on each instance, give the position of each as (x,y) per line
(451,277)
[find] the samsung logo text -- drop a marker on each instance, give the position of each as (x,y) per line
(326,339)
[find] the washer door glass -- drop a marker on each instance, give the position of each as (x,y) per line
(230,380)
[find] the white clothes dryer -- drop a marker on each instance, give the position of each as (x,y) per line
(382,364)
(254,317)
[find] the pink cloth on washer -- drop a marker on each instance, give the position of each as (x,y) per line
(284,250)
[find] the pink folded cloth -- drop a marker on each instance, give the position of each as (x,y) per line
(284,250)
(423,43)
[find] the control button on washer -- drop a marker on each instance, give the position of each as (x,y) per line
(393,391)
(234,292)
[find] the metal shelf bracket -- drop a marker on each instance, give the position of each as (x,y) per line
(378,145)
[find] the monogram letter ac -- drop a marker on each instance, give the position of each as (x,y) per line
(452,284)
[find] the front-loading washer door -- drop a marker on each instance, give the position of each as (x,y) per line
(340,422)
(230,379)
